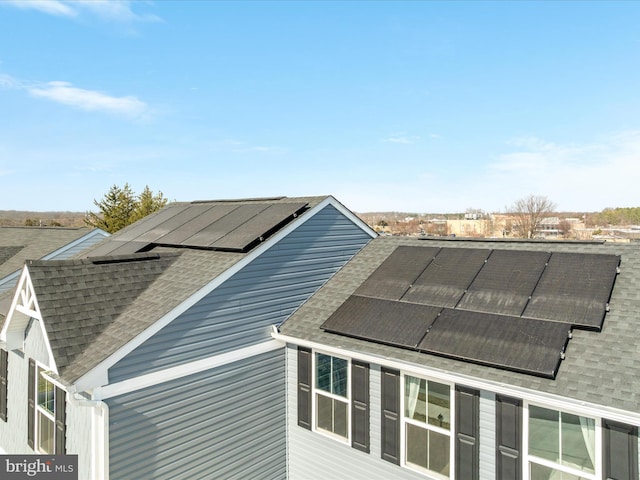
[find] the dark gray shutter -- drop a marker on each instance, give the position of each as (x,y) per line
(620,451)
(31,403)
(360,406)
(508,438)
(467,450)
(4,373)
(391,415)
(304,387)
(61,421)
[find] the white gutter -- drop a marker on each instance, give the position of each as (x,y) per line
(558,401)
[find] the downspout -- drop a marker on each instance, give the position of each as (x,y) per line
(99,434)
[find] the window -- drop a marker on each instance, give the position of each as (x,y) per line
(427,425)
(561,445)
(46,413)
(332,395)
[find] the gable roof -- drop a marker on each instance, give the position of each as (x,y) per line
(94,307)
(598,367)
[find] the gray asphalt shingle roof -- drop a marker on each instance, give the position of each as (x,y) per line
(94,305)
(600,367)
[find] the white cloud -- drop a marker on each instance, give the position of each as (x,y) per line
(50,7)
(109,10)
(66,94)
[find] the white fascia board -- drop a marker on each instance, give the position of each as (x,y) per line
(172,373)
(557,401)
(98,376)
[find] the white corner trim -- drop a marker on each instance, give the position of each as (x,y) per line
(101,370)
(580,407)
(172,373)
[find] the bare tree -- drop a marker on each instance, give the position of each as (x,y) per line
(528,212)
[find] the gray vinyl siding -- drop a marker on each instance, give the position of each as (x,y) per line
(487,435)
(313,456)
(78,246)
(224,423)
(241,311)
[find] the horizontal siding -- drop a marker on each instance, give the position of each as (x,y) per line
(83,244)
(240,312)
(313,456)
(225,423)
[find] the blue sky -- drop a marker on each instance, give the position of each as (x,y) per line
(407,106)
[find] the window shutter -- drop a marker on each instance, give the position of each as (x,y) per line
(31,403)
(304,387)
(61,419)
(620,451)
(4,374)
(467,450)
(360,406)
(391,415)
(508,438)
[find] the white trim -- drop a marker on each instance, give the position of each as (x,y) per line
(99,435)
(97,376)
(173,373)
(77,241)
(586,409)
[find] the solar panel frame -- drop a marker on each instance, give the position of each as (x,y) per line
(212,213)
(523,345)
(397,272)
(378,320)
(447,277)
(505,282)
(576,288)
(150,222)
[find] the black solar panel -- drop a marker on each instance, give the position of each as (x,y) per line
(384,321)
(150,222)
(395,275)
(207,214)
(259,226)
(174,223)
(506,282)
(513,343)
(575,287)
(445,280)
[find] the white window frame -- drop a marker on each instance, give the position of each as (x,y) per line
(315,391)
(38,410)
(450,433)
(528,459)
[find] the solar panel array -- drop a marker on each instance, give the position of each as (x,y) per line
(217,226)
(510,309)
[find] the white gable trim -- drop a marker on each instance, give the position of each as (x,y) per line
(98,376)
(68,246)
(173,373)
(24,307)
(580,407)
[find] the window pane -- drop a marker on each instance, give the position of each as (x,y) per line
(415,406)
(340,418)
(544,433)
(540,472)
(439,453)
(339,386)
(417,443)
(45,394)
(439,405)
(324,413)
(578,442)
(323,372)
(45,433)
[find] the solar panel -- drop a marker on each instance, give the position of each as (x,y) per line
(258,226)
(445,280)
(384,321)
(505,282)
(206,214)
(396,274)
(513,343)
(150,222)
(219,228)
(174,223)
(575,287)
